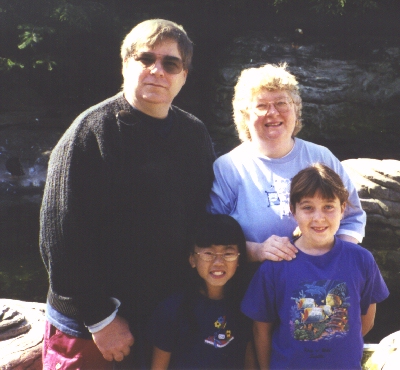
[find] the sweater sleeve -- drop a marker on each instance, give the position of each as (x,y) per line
(71,222)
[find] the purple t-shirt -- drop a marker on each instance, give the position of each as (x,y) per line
(316,303)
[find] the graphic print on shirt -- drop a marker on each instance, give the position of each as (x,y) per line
(320,310)
(278,195)
(222,337)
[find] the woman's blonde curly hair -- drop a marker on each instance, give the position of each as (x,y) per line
(252,81)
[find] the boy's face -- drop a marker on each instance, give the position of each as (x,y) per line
(318,220)
(218,271)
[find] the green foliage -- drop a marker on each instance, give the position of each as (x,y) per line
(334,7)
(44,25)
(338,7)
(47,44)
(80,16)
(32,35)
(7,64)
(46,62)
(24,278)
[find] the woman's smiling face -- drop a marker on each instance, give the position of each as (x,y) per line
(273,126)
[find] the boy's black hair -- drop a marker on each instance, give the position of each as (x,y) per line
(215,230)
(219,230)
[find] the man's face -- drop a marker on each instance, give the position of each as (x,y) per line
(150,88)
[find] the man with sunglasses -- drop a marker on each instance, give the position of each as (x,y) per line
(125,186)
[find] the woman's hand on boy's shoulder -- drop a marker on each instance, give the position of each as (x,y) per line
(275,248)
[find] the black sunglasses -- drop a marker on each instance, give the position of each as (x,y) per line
(170,64)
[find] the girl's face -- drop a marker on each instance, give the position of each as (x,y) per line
(318,220)
(216,272)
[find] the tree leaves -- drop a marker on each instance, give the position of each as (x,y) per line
(32,35)
(7,64)
(79,16)
(60,18)
(334,7)
(339,7)
(46,62)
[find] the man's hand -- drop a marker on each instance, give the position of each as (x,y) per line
(114,341)
(275,248)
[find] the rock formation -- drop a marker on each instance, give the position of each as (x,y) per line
(346,95)
(378,186)
(386,355)
(21,334)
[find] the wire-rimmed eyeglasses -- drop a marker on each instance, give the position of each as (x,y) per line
(210,256)
(281,105)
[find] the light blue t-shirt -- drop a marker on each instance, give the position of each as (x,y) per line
(255,189)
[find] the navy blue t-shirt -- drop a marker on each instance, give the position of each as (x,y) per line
(219,341)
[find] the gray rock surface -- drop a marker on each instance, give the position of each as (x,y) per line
(378,185)
(345,95)
(12,323)
(386,355)
(23,350)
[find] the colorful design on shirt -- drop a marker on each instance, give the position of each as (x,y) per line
(320,311)
(279,194)
(273,198)
(222,337)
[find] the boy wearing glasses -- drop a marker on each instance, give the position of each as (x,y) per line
(202,327)
(125,185)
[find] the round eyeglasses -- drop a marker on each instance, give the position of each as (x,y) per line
(172,65)
(210,256)
(281,105)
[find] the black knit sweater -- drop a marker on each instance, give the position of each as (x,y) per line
(118,207)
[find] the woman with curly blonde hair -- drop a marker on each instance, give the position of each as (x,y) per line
(252,182)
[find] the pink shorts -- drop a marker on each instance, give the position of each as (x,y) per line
(65,352)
